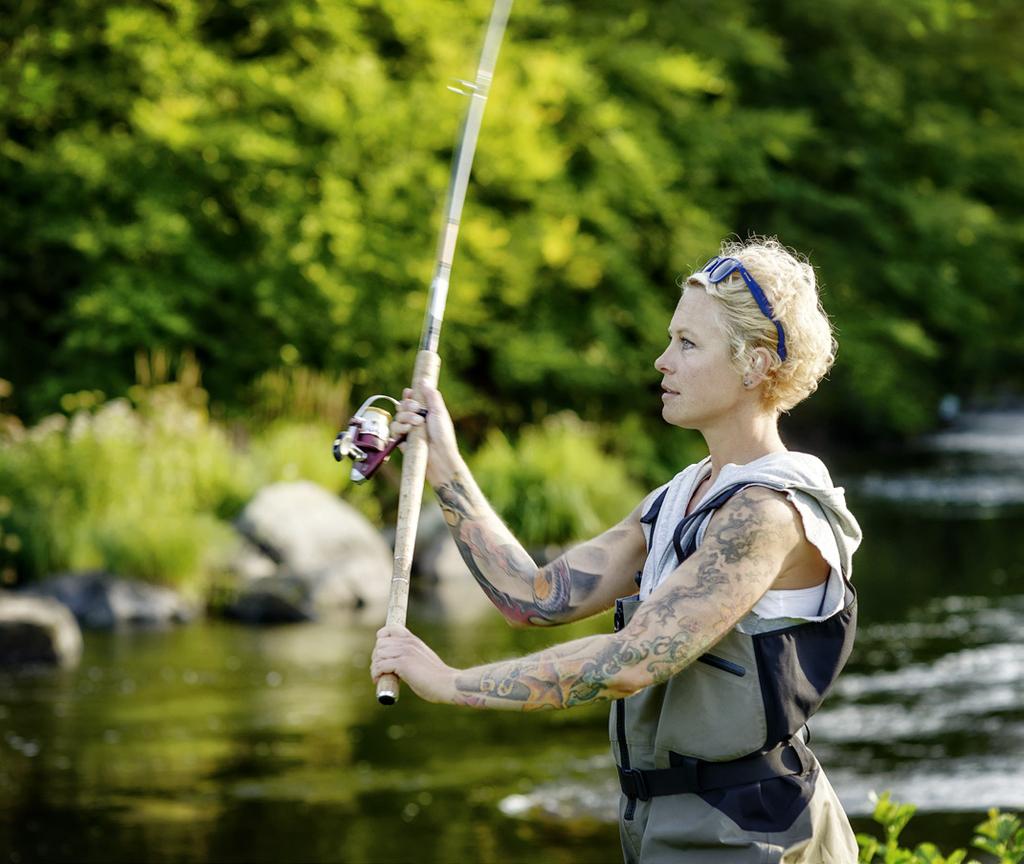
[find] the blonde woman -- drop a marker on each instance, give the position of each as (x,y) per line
(731,585)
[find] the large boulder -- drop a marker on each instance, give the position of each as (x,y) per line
(37,631)
(325,554)
(101,601)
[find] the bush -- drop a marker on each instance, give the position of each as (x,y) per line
(133,489)
(555,483)
(144,488)
(1000,835)
(288,450)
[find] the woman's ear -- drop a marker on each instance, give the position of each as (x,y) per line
(760,363)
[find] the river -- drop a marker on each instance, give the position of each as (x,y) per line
(216,742)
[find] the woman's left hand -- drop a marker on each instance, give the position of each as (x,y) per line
(411,659)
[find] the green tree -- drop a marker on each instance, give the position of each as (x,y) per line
(261,182)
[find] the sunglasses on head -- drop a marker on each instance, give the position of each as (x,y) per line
(720,269)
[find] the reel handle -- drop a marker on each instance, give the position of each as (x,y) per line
(414,470)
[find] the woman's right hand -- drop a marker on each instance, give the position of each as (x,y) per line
(443,448)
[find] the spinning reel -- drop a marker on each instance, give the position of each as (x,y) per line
(367,441)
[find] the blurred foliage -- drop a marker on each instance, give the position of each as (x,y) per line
(298,393)
(1001,835)
(261,182)
(145,487)
(136,491)
(555,483)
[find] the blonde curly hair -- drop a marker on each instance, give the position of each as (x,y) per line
(788,281)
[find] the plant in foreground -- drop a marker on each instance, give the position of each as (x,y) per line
(1001,835)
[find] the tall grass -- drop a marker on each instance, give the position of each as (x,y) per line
(138,489)
(299,394)
(145,487)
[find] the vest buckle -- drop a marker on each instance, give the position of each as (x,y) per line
(634,784)
(687,768)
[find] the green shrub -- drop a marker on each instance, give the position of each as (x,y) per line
(145,488)
(172,548)
(135,489)
(1000,835)
(555,483)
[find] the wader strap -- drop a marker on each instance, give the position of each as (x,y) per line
(620,717)
(651,516)
(704,508)
(688,774)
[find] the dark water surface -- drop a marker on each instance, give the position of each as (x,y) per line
(220,743)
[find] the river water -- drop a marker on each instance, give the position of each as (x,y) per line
(216,742)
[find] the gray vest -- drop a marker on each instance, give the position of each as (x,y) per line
(728,728)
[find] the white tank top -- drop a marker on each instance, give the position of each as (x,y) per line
(791,602)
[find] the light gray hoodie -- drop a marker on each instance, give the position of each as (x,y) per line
(827,521)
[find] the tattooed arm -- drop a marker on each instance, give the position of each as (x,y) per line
(749,542)
(585,580)
(582,582)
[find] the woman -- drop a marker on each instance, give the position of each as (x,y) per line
(744,614)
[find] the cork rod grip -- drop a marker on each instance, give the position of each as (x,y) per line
(410,497)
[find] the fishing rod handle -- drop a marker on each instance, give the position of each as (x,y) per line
(414,469)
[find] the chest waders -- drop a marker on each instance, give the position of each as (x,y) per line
(713,764)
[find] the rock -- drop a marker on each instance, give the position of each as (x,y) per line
(327,556)
(456,597)
(37,631)
(102,602)
(248,562)
(442,562)
(273,600)
(436,556)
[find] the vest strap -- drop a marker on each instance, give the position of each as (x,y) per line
(690,775)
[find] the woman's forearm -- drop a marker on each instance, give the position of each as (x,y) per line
(523,592)
(591,669)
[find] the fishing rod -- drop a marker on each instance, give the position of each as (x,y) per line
(367,439)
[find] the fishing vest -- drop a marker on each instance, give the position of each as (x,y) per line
(730,727)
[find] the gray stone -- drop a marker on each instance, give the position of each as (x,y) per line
(37,631)
(327,556)
(273,600)
(431,531)
(103,602)
(247,562)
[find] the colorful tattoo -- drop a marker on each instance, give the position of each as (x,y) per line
(736,563)
(512,581)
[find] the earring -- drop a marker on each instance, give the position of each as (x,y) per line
(746,382)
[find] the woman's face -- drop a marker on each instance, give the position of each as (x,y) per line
(699,383)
